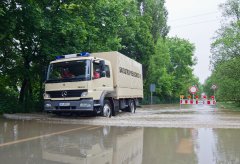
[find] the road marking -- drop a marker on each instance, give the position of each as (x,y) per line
(94,128)
(41,136)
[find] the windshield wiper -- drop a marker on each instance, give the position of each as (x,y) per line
(67,80)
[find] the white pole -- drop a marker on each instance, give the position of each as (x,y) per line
(151,98)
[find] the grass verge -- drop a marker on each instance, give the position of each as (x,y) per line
(230,105)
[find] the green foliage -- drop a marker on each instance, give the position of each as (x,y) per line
(231,9)
(8,102)
(33,32)
(181,54)
(226,55)
(226,45)
(207,86)
(227,75)
(158,71)
(229,105)
(170,68)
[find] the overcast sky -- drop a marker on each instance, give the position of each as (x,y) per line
(196,21)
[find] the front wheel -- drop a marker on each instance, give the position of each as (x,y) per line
(107,109)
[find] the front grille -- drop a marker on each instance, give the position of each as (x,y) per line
(66,93)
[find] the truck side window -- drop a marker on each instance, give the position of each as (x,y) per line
(107,71)
(97,73)
(96,70)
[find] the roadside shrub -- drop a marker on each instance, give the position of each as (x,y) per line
(158,100)
(8,104)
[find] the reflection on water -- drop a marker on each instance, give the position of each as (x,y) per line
(182,146)
(205,146)
(99,144)
(120,145)
(168,146)
(90,144)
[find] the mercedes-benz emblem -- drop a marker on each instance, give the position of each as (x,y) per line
(64,93)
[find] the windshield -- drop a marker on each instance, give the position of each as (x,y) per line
(69,71)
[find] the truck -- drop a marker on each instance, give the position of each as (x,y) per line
(102,83)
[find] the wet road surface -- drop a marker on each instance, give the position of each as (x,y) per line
(197,116)
(53,142)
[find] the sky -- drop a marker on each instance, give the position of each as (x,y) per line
(196,21)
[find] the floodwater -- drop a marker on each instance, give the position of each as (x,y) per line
(36,142)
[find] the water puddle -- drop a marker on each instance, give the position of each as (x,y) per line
(30,142)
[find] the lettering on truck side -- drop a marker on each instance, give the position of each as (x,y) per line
(129,72)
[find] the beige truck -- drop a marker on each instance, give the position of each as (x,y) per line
(102,83)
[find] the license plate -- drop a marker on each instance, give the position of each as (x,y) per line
(64,104)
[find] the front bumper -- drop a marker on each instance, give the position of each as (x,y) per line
(68,105)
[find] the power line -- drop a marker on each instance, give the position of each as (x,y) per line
(184,25)
(194,16)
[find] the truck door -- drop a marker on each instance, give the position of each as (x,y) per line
(100,82)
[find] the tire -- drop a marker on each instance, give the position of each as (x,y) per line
(107,109)
(131,106)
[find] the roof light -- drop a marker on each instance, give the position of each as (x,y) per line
(59,57)
(84,54)
(71,56)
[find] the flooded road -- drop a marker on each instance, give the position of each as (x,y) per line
(162,134)
(162,116)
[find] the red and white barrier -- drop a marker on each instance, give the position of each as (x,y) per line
(188,101)
(195,102)
(211,102)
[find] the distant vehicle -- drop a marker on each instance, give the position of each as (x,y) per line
(103,83)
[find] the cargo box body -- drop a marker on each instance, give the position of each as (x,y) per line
(127,75)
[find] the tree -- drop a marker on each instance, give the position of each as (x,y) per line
(157,14)
(231,9)
(227,44)
(181,55)
(32,33)
(158,69)
(226,54)
(34,29)
(227,76)
(207,86)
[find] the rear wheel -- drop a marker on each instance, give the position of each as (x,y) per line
(131,106)
(107,109)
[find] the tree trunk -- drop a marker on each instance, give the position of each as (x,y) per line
(26,90)
(23,90)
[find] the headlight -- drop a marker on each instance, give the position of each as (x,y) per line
(84,94)
(45,95)
(48,105)
(85,105)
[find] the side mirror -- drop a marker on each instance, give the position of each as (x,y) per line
(102,68)
(102,65)
(103,73)
(45,73)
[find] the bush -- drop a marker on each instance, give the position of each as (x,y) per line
(158,100)
(8,104)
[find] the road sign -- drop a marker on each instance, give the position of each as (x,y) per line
(193,89)
(214,87)
(152,87)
